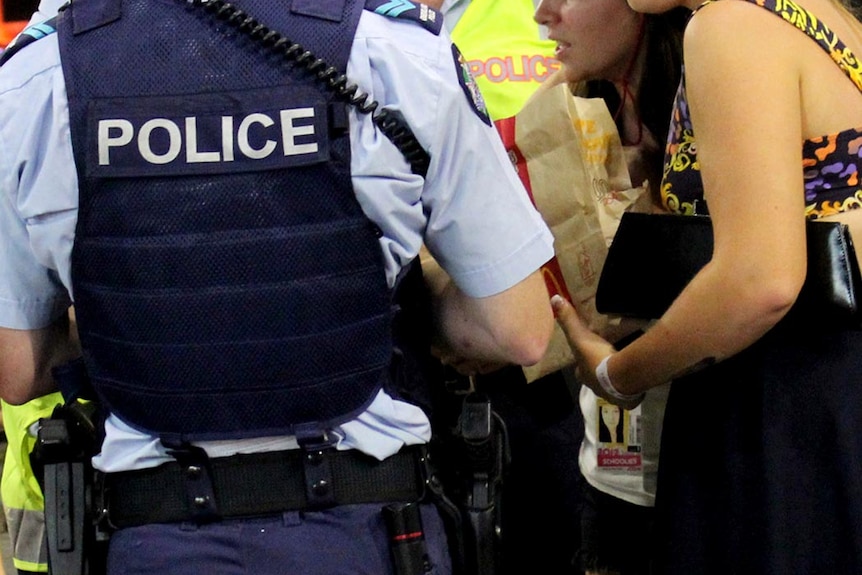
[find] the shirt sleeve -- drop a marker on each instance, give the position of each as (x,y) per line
(471,209)
(38,189)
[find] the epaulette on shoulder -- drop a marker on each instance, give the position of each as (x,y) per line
(27,37)
(425,16)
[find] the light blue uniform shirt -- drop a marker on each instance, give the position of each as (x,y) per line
(471,210)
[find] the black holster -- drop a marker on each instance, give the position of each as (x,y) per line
(477,455)
(60,459)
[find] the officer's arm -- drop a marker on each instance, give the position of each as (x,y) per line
(27,357)
(513,326)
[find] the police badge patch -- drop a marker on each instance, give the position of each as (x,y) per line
(468,84)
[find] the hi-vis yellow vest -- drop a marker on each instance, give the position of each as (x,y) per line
(19,490)
(505,52)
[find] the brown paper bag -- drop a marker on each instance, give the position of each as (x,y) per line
(570,158)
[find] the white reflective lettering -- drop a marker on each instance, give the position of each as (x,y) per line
(221,139)
(514,76)
(106,141)
(193,156)
(495,69)
(227,138)
(289,132)
(174,147)
(242,137)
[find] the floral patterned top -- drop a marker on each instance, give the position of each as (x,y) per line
(830,163)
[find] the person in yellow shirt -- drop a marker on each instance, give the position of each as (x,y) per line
(23,503)
(506,51)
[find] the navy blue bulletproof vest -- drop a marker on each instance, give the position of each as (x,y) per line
(226,282)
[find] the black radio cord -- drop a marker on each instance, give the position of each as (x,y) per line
(391,122)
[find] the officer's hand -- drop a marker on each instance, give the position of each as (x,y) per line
(465,365)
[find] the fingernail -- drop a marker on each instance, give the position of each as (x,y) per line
(557,302)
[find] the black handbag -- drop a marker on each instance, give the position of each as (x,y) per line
(654,256)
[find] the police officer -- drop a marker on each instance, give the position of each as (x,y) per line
(507,52)
(23,503)
(206,200)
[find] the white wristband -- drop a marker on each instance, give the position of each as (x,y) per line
(608,387)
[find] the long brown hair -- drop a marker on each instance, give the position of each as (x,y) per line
(853,6)
(661,75)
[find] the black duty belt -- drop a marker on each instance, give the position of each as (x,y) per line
(250,485)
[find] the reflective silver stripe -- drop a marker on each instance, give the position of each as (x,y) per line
(27,534)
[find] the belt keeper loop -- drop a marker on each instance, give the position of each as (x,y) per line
(317,470)
(197,481)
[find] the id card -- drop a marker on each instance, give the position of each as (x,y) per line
(619,437)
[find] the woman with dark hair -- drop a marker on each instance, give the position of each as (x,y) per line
(640,102)
(633,62)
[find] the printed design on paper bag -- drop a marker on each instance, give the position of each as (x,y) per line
(596,142)
(619,437)
(468,84)
(586,267)
(606,195)
(551,271)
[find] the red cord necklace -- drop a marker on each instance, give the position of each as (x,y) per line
(626,91)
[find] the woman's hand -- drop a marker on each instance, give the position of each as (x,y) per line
(589,349)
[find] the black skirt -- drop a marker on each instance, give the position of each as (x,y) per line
(761,461)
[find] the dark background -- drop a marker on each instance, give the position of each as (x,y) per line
(18,9)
